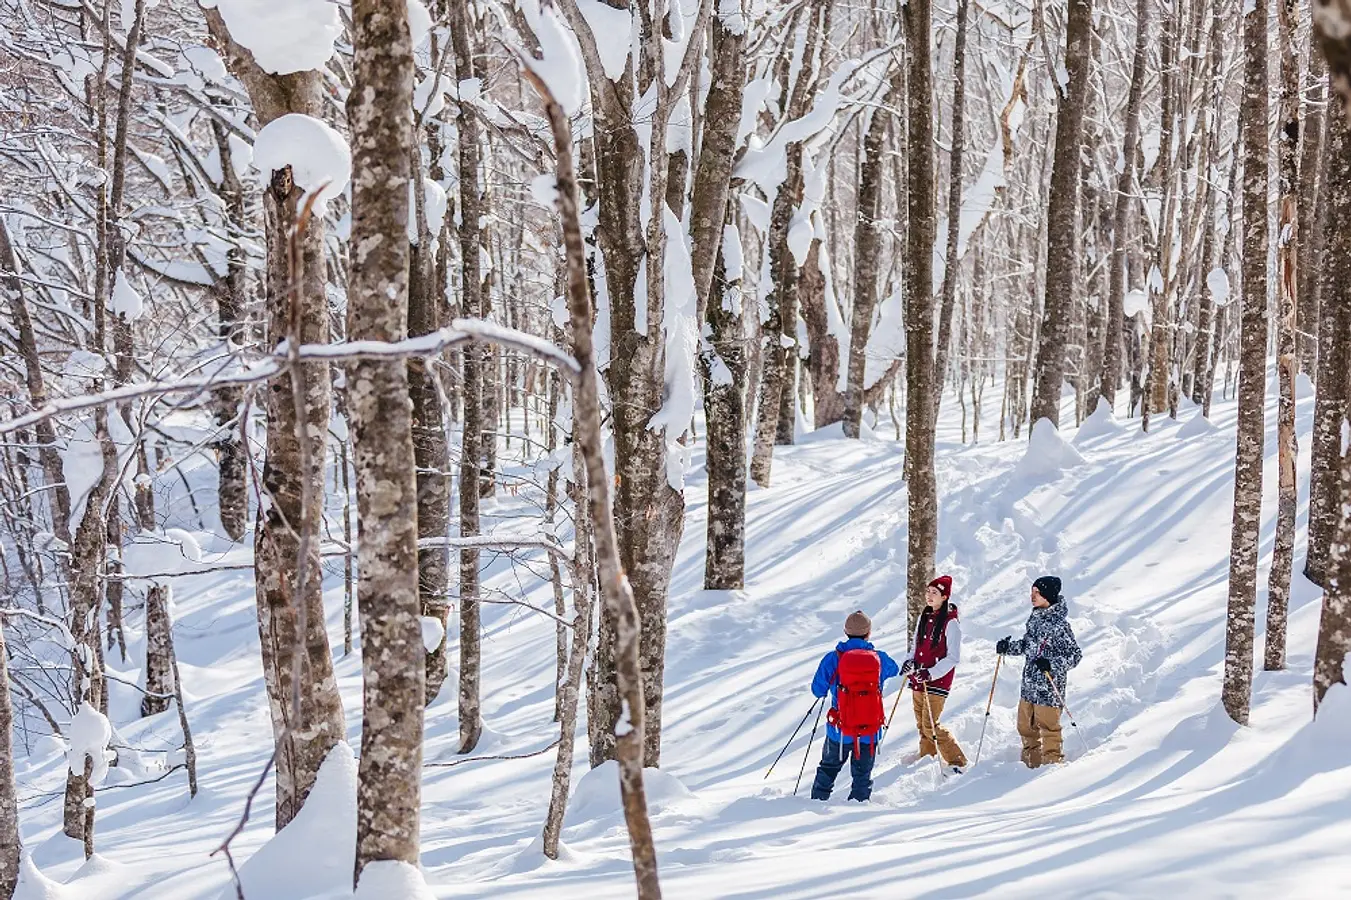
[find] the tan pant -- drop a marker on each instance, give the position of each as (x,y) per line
(1039,727)
(935,738)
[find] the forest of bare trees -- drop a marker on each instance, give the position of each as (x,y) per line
(318,292)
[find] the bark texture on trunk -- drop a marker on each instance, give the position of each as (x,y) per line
(950,273)
(1238,660)
(723,362)
(476,358)
(922,493)
(616,593)
(10,844)
(1062,239)
(867,252)
(1334,353)
(307,715)
(1287,362)
(379,108)
(159,679)
(1313,138)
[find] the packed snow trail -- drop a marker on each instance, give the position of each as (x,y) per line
(1170,796)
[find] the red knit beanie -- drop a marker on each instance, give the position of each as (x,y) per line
(944,585)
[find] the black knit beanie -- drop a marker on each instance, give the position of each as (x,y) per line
(1049,587)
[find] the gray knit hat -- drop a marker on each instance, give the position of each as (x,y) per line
(858,624)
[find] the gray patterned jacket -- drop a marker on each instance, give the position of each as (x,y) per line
(1048,635)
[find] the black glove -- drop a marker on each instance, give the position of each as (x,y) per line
(1003,646)
(907,667)
(1043,664)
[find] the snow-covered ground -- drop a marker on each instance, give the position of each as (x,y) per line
(1161,795)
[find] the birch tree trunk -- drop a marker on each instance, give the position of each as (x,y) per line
(159,680)
(1062,244)
(1334,353)
(231,301)
(476,358)
(1287,362)
(868,251)
(307,715)
(1238,660)
(949,290)
(379,109)
(1313,137)
(614,585)
(10,844)
(723,362)
(922,491)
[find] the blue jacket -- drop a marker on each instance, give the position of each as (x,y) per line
(825,678)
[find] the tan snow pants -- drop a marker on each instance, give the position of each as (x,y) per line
(1039,727)
(935,739)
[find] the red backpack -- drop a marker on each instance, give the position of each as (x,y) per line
(858,712)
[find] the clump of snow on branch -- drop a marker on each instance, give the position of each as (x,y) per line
(419,22)
(319,158)
(284,36)
(886,343)
(1217,282)
(435,203)
(559,65)
(767,165)
(89,735)
(681,349)
(433,633)
(613,30)
(315,854)
(127,303)
(1136,303)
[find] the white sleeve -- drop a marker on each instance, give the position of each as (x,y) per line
(953,635)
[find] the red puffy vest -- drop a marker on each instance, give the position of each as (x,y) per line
(930,647)
(858,711)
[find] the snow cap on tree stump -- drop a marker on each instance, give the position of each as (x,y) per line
(858,624)
(944,585)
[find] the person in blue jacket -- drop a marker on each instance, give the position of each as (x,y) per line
(861,752)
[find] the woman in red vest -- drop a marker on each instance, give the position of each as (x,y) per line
(931,666)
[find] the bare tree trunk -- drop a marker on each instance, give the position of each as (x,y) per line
(1311,190)
(158,669)
(1061,233)
(1283,551)
(231,299)
(307,715)
(781,328)
(867,251)
(723,364)
(431,452)
(10,845)
(615,590)
(949,289)
(1208,313)
(189,747)
(476,365)
(919,302)
(1331,407)
(569,685)
(1238,661)
(823,363)
(379,109)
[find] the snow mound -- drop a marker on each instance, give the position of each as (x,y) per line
(386,879)
(315,854)
(33,885)
(1047,453)
(597,793)
(1197,426)
(318,155)
(1102,423)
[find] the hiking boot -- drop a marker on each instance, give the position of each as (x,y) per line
(956,770)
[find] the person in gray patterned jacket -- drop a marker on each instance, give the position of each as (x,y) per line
(1050,649)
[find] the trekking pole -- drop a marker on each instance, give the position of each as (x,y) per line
(895,703)
(999,660)
(933,733)
(794,735)
(1061,700)
(810,741)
